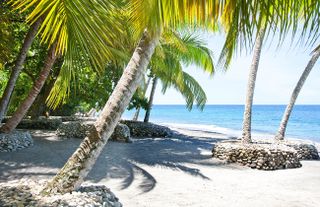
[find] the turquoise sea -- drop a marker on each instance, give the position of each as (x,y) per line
(304,122)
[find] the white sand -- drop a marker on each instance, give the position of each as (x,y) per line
(172,172)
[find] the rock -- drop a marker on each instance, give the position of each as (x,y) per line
(141,129)
(80,129)
(75,129)
(17,194)
(42,123)
(15,140)
(263,156)
(121,133)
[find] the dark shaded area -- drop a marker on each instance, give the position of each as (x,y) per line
(118,160)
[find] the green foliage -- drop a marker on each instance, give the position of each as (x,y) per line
(167,63)
(91,89)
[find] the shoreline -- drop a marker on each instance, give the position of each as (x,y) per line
(236,134)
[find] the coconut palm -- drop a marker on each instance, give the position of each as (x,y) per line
(167,66)
(283,125)
(81,162)
(145,88)
(246,128)
(151,17)
(150,101)
(79,28)
(278,18)
(18,67)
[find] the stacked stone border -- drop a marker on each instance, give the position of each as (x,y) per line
(20,194)
(264,155)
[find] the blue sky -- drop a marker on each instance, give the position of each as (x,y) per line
(279,71)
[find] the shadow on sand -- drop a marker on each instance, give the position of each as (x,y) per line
(118,160)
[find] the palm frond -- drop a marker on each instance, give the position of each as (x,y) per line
(86,22)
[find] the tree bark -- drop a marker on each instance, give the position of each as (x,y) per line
(246,128)
(18,67)
(81,162)
(136,115)
(283,125)
(153,90)
(39,106)
(22,110)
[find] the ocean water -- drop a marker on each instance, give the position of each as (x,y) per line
(304,122)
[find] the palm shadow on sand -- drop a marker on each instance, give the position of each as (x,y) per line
(117,161)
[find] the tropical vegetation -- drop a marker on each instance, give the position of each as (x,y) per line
(101,51)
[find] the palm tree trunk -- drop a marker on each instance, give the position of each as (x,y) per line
(153,90)
(246,128)
(136,115)
(18,67)
(81,162)
(12,123)
(283,125)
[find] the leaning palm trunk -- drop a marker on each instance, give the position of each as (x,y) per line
(283,125)
(81,162)
(18,67)
(153,90)
(136,115)
(22,110)
(246,130)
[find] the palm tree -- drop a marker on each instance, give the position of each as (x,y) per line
(23,108)
(166,64)
(76,30)
(150,16)
(136,115)
(283,125)
(150,102)
(246,128)
(81,162)
(4,101)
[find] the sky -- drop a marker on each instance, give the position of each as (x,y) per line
(279,71)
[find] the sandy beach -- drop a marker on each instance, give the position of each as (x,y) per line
(173,172)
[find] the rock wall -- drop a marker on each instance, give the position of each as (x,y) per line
(43,123)
(262,156)
(80,129)
(305,151)
(142,129)
(14,141)
(16,194)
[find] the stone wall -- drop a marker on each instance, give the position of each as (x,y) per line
(263,156)
(80,129)
(305,151)
(14,141)
(43,123)
(15,193)
(142,129)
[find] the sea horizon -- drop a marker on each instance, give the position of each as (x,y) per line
(227,119)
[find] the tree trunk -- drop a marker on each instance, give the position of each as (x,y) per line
(12,123)
(136,115)
(39,106)
(153,90)
(18,67)
(246,130)
(81,162)
(283,125)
